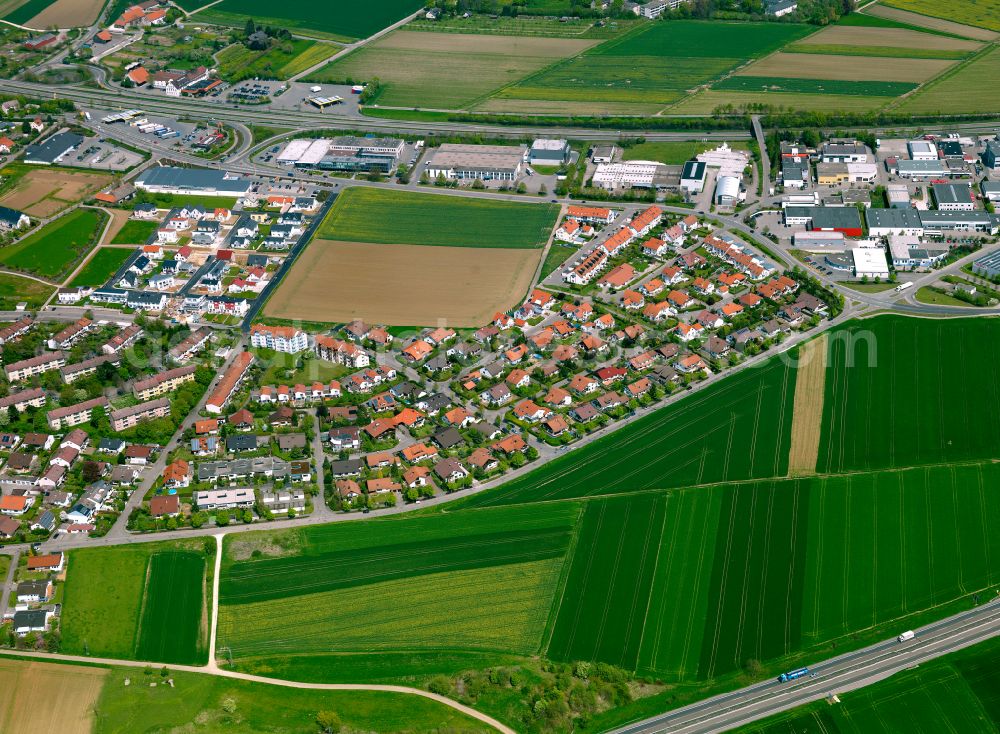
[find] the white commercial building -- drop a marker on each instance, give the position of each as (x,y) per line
(483,162)
(922,150)
(727,191)
(819,241)
(627,175)
(693,177)
(870,261)
(729,162)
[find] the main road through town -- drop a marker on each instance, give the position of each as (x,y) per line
(830,677)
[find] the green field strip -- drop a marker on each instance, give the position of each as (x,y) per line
(170,630)
(603,611)
(561,584)
(680,595)
(401,217)
(834,49)
(852,87)
(501,608)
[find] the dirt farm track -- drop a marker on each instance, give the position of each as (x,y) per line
(403,285)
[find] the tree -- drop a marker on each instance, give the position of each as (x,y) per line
(328,722)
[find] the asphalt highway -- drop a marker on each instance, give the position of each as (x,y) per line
(835,676)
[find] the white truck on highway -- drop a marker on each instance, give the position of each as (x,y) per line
(906,636)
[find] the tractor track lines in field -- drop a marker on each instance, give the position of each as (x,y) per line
(586,578)
(635,596)
(721,592)
(611,582)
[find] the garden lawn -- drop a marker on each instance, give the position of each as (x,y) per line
(14,289)
(902,392)
(401,217)
(104,263)
(956,692)
(173,623)
(50,251)
(105,584)
(737,429)
(135,232)
(194,704)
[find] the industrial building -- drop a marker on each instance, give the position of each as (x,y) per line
(870,262)
(988,266)
(548,152)
(819,241)
(845,219)
(344,153)
(919,170)
(693,177)
(53,150)
(193,181)
(483,162)
(829,174)
(952,197)
(909,252)
(885,222)
(960,221)
(630,175)
(844,152)
(991,190)
(922,150)
(898,196)
(728,191)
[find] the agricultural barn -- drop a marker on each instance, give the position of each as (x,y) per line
(485,162)
(52,150)
(545,151)
(693,177)
(194,181)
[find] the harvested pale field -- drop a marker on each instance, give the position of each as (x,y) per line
(893,37)
(925,21)
(462,43)
(849,68)
(67,14)
(704,103)
(42,193)
(118,219)
(403,285)
(44,697)
(807,416)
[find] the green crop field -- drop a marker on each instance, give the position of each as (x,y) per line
(52,250)
(835,49)
(194,705)
(172,626)
(602,614)
(737,429)
(885,403)
(341,19)
(969,12)
(401,217)
(959,89)
(14,289)
(104,263)
(239,62)
(959,692)
(819,86)
(105,584)
(25,12)
(484,580)
(863,20)
(446,70)
(658,64)
(135,232)
(706,102)
(673,153)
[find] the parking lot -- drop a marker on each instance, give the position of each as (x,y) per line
(103,155)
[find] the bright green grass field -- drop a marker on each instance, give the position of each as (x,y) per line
(101,266)
(659,63)
(737,429)
(673,153)
(14,289)
(959,692)
(337,18)
(902,392)
(135,232)
(103,596)
(173,623)
(27,11)
(194,704)
(959,89)
(400,217)
(50,251)
(822,86)
(477,581)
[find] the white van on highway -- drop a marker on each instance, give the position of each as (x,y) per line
(908,635)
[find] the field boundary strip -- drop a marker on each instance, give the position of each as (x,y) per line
(807,410)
